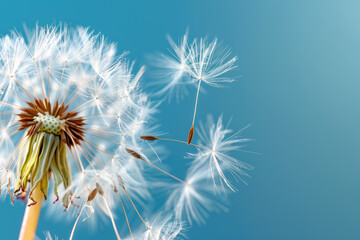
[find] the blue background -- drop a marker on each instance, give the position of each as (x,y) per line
(299,87)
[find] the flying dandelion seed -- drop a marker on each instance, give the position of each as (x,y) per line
(195,197)
(208,64)
(73,120)
(215,158)
(201,60)
(171,71)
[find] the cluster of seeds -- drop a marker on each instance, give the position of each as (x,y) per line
(49,123)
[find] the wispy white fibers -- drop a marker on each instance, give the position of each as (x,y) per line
(216,158)
(7,176)
(161,227)
(172,69)
(208,62)
(208,177)
(192,200)
(48,236)
(190,62)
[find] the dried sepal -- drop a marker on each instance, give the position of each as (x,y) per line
(43,153)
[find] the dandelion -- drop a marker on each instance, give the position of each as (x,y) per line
(73,119)
(63,94)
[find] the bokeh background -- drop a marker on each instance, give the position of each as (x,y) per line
(299,68)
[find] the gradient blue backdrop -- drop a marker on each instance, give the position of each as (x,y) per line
(299,63)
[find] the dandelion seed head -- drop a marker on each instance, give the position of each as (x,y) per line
(60,90)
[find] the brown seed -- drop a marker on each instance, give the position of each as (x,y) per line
(133,153)
(191,135)
(149,138)
(92,195)
(100,189)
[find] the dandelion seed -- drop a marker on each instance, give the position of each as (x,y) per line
(215,158)
(202,61)
(207,65)
(171,70)
(193,200)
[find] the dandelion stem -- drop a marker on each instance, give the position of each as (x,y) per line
(31,217)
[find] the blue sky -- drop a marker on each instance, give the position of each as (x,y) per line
(298,87)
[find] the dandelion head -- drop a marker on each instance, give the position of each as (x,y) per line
(59,107)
